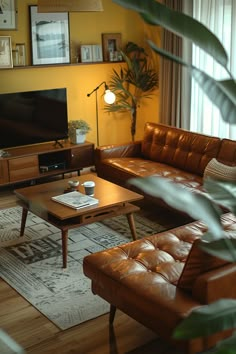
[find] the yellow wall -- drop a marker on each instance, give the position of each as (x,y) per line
(80,79)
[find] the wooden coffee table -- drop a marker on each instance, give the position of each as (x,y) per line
(113,201)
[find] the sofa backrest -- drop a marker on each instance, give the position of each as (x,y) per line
(227,152)
(179,148)
(198,262)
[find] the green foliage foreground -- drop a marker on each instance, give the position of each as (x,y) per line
(220,315)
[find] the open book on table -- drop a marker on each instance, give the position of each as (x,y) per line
(75,200)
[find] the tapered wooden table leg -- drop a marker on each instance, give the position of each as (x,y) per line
(130,218)
(64,238)
(112,314)
(23,220)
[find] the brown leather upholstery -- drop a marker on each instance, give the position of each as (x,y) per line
(165,151)
(141,278)
(227,152)
(179,148)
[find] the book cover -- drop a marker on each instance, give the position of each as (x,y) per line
(75,200)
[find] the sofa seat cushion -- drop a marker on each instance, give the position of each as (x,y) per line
(139,278)
(126,167)
(157,259)
(160,256)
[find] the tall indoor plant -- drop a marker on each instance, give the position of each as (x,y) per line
(131,84)
(220,315)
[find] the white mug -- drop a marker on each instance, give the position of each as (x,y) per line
(89,188)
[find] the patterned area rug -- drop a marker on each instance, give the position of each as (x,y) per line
(32,264)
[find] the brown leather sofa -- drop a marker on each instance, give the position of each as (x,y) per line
(164,151)
(160,279)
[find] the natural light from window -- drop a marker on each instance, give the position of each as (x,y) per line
(219,16)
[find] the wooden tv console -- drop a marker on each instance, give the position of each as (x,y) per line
(32,162)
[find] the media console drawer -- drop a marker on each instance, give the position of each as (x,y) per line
(4,178)
(23,168)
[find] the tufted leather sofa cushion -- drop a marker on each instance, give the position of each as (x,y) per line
(166,255)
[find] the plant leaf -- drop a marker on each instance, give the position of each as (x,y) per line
(209,319)
(221,93)
(196,205)
(155,13)
(216,91)
(224,193)
(224,248)
(226,346)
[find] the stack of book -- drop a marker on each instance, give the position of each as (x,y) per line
(75,200)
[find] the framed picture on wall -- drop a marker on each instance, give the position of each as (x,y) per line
(49,37)
(5,52)
(8,14)
(111,44)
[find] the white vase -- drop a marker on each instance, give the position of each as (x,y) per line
(76,137)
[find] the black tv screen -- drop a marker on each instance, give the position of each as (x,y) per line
(33,117)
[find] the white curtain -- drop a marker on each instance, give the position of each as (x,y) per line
(220,17)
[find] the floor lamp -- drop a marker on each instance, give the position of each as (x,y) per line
(109,97)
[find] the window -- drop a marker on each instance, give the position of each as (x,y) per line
(219,16)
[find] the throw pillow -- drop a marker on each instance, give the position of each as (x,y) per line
(220,171)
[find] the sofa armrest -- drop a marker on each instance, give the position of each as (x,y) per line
(215,284)
(131,149)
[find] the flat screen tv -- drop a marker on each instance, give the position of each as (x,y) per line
(33,117)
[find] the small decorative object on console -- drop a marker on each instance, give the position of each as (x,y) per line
(4,153)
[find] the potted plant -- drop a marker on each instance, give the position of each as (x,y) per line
(133,83)
(78,130)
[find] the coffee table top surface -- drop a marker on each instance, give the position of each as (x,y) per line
(38,197)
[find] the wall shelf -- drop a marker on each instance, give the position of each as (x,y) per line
(59,65)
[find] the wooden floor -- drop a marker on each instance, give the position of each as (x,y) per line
(37,335)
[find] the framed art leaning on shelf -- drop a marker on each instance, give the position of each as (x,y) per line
(86,53)
(111,44)
(5,52)
(49,37)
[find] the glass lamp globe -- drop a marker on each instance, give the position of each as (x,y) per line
(109,97)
